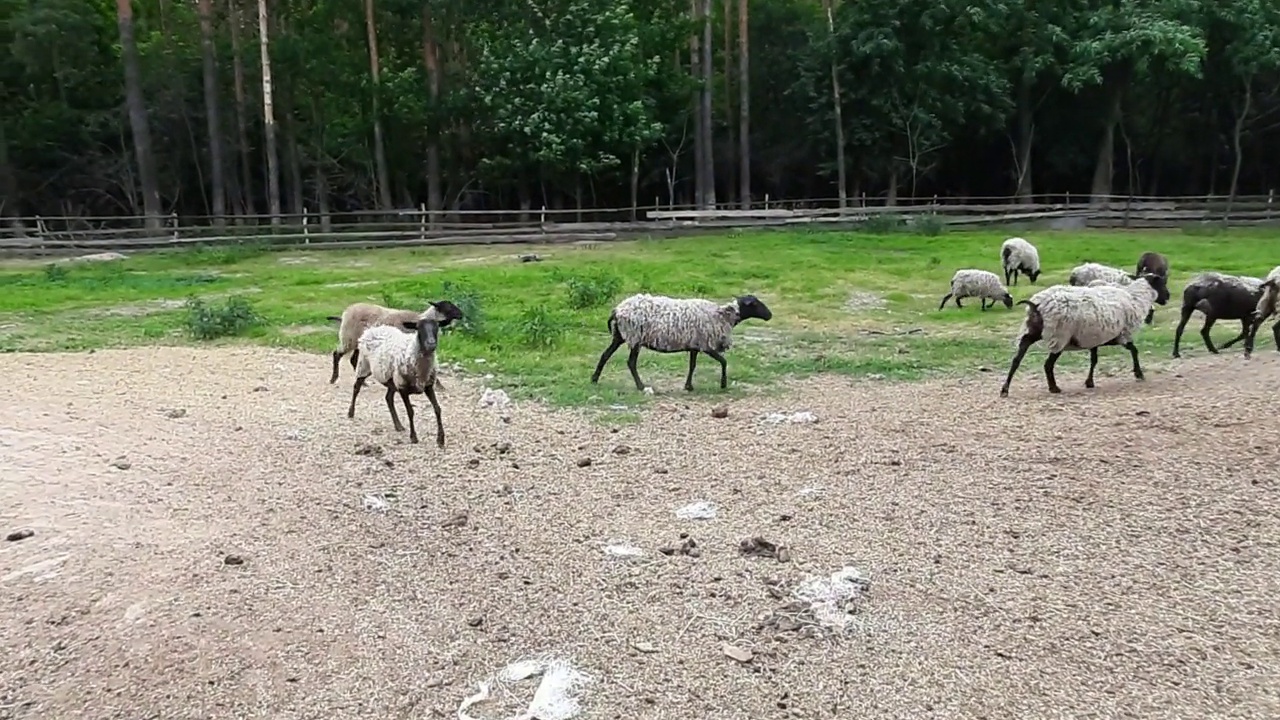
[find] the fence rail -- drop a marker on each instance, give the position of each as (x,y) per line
(418,227)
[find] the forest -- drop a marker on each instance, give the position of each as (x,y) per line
(212,109)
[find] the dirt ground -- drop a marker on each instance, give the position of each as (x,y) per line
(1106,553)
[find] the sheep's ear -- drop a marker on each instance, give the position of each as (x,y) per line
(410,324)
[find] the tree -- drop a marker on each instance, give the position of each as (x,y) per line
(744,108)
(268,116)
(137,109)
(379,145)
(210,70)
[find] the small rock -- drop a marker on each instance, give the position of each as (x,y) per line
(473,463)
(121,464)
(621,450)
(367,449)
(232,560)
(784,555)
(720,411)
(17,535)
(584,462)
(176,413)
(475,621)
(694,552)
(530,258)
(661,470)
(736,653)
(456,520)
(503,447)
(644,647)
(260,388)
(1143,413)
(388,462)
(984,368)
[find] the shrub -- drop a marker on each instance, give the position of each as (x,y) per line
(881,224)
(470,302)
(929,225)
(537,327)
(55,273)
(594,290)
(210,320)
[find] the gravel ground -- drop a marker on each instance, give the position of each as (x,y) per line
(1095,554)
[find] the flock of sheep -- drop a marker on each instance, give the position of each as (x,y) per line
(1104,306)
(1101,306)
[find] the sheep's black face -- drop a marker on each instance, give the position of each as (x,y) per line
(1161,287)
(1033,275)
(1008,300)
(749,306)
(428,332)
(446,312)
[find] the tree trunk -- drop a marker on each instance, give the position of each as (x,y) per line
(892,198)
(731,183)
(1242,119)
(635,182)
(431,58)
(293,160)
(247,199)
(744,109)
(322,197)
(577,194)
(138,115)
(526,199)
(216,162)
(699,154)
(269,117)
(1026,131)
(9,188)
(379,144)
(1104,169)
(708,78)
(841,171)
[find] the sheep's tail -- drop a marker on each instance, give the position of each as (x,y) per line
(612,325)
(1028,303)
(1005,253)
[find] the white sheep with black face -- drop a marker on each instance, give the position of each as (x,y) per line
(405,363)
(1219,297)
(1086,318)
(982,284)
(1267,306)
(358,317)
(1019,256)
(1083,275)
(670,325)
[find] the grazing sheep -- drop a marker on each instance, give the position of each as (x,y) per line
(1219,297)
(1019,256)
(1156,264)
(1265,308)
(359,317)
(404,363)
(670,325)
(979,284)
(1082,275)
(1085,318)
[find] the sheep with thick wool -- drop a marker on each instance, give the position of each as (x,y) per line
(1266,307)
(405,363)
(1086,318)
(1219,297)
(358,317)
(1083,275)
(671,325)
(980,284)
(1019,256)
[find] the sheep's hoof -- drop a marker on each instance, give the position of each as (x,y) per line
(413,439)
(1055,389)
(440,442)
(1177,355)
(1004,392)
(1088,384)
(1139,376)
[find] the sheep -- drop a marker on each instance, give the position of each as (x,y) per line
(359,317)
(1082,275)
(1219,297)
(404,363)
(977,283)
(1157,264)
(1266,307)
(1085,318)
(1018,255)
(670,325)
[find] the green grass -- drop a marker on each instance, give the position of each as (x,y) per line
(842,302)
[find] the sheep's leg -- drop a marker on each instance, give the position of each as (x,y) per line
(724,369)
(1048,372)
(631,365)
(1093,363)
(355,391)
(1010,277)
(408,410)
(1209,320)
(693,363)
(1275,332)
(958,303)
(1151,314)
(944,301)
(355,357)
(614,344)
(984,304)
(1133,350)
(1182,325)
(391,405)
(435,406)
(1253,331)
(1244,332)
(1025,342)
(337,358)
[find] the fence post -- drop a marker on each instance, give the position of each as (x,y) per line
(1271,198)
(542,218)
(173,222)
(306,234)
(766,201)
(422,222)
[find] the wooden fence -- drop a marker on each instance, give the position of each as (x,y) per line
(418,227)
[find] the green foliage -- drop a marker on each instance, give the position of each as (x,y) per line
(928,225)
(470,302)
(55,273)
(882,224)
(591,290)
(209,320)
(538,327)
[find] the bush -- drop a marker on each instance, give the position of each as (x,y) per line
(55,273)
(210,320)
(469,301)
(881,224)
(929,225)
(594,290)
(537,327)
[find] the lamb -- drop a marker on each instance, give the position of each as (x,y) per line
(1082,275)
(1017,255)
(1086,318)
(1266,307)
(404,363)
(977,283)
(359,317)
(1219,297)
(670,325)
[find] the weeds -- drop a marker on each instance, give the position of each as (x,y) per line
(537,327)
(470,302)
(210,320)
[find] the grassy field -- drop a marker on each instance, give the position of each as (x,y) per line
(843,302)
